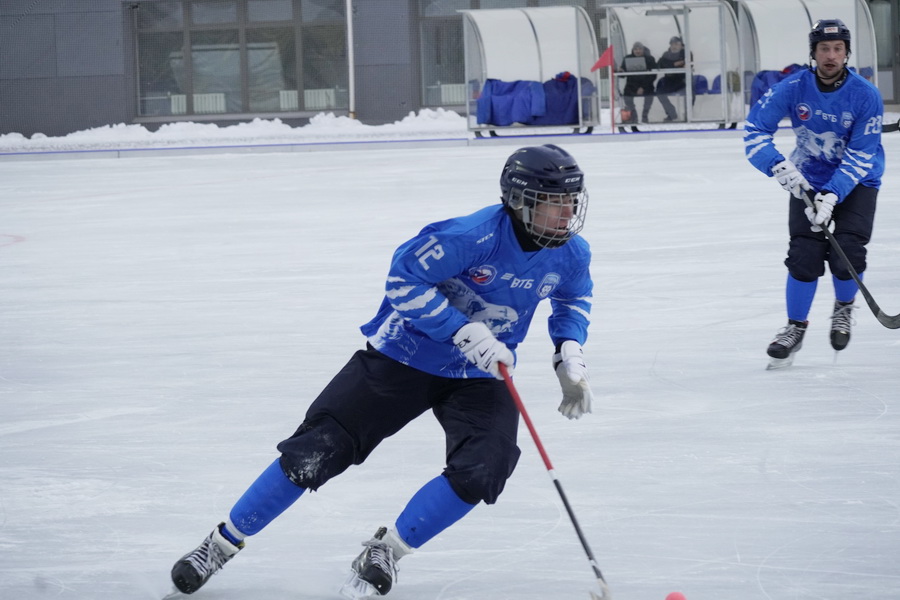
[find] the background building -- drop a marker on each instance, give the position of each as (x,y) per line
(69,65)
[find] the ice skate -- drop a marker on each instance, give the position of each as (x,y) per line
(841,322)
(373,572)
(786,343)
(196,567)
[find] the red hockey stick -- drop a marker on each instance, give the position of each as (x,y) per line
(604,589)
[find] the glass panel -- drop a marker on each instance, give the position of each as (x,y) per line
(322,10)
(786,24)
(207,12)
(881,18)
(325,67)
(504,3)
(272,65)
(443,62)
(160,15)
(216,70)
(581,3)
(443,8)
(270,10)
(158,82)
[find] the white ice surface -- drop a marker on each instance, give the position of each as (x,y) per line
(165,320)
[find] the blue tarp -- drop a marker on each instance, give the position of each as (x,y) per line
(562,101)
(507,102)
(554,102)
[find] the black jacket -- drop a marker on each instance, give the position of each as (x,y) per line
(673,81)
(635,82)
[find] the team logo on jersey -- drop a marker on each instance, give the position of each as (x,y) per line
(551,280)
(804,112)
(482,275)
(846,119)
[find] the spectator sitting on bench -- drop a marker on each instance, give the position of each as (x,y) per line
(640,59)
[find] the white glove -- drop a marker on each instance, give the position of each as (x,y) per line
(573,378)
(790,178)
(482,349)
(824,203)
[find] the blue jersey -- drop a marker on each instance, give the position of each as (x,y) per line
(838,133)
(473,268)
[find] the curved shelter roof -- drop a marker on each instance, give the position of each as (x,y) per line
(709,31)
(775,34)
(532,44)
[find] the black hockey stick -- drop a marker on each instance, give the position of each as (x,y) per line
(605,594)
(891,322)
(891,127)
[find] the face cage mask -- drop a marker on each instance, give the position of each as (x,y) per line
(544,218)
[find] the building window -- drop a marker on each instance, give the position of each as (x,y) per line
(443,62)
(443,56)
(209,57)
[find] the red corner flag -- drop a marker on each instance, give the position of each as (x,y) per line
(605,60)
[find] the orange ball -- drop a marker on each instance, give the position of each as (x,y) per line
(676,596)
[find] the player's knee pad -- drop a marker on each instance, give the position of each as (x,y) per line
(806,258)
(318,450)
(482,475)
(855,251)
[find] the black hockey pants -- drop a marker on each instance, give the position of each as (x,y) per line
(374,396)
(809,251)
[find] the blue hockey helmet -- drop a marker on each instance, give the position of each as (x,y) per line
(544,187)
(826,30)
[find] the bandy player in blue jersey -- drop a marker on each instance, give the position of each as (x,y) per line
(836,116)
(459,298)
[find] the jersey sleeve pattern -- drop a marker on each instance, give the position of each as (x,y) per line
(762,123)
(862,159)
(571,301)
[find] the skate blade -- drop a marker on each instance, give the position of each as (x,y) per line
(780,363)
(357,589)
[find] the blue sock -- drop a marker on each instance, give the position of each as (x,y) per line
(845,290)
(431,510)
(799,296)
(266,498)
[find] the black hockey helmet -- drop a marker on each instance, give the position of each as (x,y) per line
(544,175)
(828,29)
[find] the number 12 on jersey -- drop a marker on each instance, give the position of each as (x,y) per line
(431,249)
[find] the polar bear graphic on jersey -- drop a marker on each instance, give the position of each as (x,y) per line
(498,318)
(825,147)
